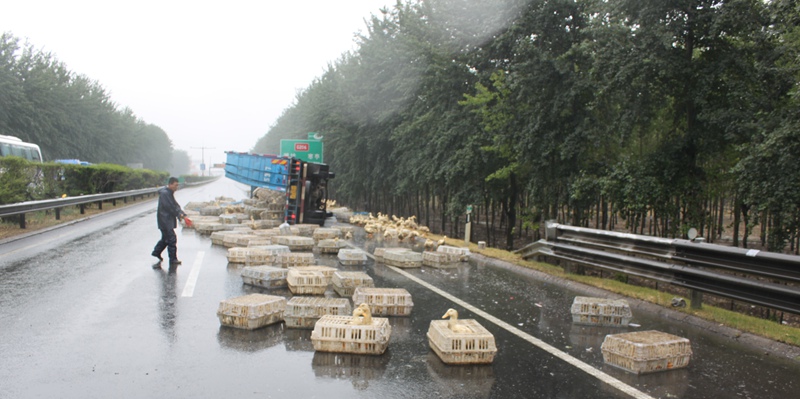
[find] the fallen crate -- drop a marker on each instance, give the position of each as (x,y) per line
(646,351)
(252,311)
(304,312)
(601,311)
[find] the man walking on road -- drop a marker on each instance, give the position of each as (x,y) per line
(167,215)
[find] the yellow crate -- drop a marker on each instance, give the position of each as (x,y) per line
(337,334)
(303,312)
(646,351)
(465,342)
(385,301)
(251,311)
(264,276)
(307,282)
(601,311)
(345,283)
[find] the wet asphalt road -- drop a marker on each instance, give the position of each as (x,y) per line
(85,315)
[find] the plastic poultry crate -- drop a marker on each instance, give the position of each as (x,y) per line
(439,259)
(322,233)
(646,351)
(385,301)
(345,283)
(307,282)
(295,243)
(252,311)
(404,260)
(338,334)
(264,276)
(462,253)
(303,312)
(380,252)
(462,341)
(330,246)
(352,257)
(601,311)
(287,259)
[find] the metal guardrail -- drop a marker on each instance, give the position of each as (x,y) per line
(757,277)
(22,208)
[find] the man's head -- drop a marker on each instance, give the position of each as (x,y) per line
(172,183)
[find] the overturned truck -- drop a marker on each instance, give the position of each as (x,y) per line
(305,183)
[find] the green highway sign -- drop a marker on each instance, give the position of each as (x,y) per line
(307,150)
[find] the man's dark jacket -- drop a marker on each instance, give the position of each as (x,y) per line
(168,209)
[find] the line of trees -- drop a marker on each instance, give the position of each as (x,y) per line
(71,116)
(653,116)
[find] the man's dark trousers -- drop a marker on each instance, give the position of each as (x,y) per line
(169,241)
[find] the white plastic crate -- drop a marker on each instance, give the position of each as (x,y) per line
(286,259)
(264,223)
(327,271)
(339,334)
(295,243)
(646,351)
(306,229)
(303,312)
(601,311)
(265,276)
(259,241)
(243,240)
(307,282)
(268,233)
(238,254)
(251,311)
(345,283)
(462,253)
(405,260)
(385,301)
(322,233)
(264,255)
(350,257)
(228,219)
(468,343)
(439,259)
(211,211)
(208,228)
(330,246)
(230,237)
(218,237)
(344,229)
(381,251)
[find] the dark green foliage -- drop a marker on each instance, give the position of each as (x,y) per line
(69,115)
(650,116)
(21,180)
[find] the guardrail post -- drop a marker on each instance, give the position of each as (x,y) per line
(83,208)
(58,213)
(22,220)
(550,230)
(696,299)
(114,202)
(100,205)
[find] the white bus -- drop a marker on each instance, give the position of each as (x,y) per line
(13,146)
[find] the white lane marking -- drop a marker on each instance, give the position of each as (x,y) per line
(191,282)
(633,392)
